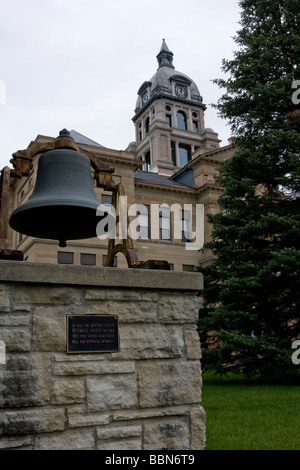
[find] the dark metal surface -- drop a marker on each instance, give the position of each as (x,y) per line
(63,204)
(92,333)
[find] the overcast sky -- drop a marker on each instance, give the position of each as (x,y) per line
(78,64)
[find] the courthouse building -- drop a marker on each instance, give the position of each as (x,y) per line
(173,160)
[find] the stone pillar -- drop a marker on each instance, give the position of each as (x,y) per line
(146,396)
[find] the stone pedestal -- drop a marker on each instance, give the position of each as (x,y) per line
(147,396)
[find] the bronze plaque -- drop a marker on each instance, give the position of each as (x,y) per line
(92,333)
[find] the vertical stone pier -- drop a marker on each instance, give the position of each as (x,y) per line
(145,396)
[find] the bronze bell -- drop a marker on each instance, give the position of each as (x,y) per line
(63,203)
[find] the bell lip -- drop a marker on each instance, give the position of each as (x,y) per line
(34,204)
(40,232)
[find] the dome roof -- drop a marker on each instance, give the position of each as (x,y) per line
(161,84)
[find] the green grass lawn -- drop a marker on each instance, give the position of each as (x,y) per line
(250,416)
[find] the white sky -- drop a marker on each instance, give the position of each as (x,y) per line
(78,64)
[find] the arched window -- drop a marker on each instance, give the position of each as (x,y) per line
(181,120)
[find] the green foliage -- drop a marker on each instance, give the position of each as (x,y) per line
(251,297)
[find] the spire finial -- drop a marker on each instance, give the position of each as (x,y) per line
(164,46)
(165,56)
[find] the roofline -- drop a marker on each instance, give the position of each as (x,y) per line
(103,153)
(144,183)
(206,155)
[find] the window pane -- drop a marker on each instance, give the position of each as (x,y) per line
(165,234)
(188,267)
(146,166)
(186,226)
(65,257)
(143,220)
(184,154)
(165,223)
(181,120)
(169,119)
(143,233)
(147,125)
(88,259)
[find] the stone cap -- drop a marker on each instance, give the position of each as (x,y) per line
(60,274)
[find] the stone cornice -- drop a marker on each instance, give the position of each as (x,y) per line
(164,187)
(119,158)
(209,186)
(208,156)
(53,274)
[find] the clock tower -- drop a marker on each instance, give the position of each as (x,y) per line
(169,119)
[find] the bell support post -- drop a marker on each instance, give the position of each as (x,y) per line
(126,246)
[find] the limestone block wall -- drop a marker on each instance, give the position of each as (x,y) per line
(147,396)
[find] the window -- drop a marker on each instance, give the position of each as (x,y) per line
(181,120)
(184,154)
(164,223)
(195,126)
(146,166)
(186,226)
(104,260)
(173,153)
(147,125)
(143,221)
(169,119)
(188,267)
(65,257)
(87,259)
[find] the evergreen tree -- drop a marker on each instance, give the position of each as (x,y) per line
(251,298)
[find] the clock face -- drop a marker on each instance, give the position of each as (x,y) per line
(145,97)
(181,91)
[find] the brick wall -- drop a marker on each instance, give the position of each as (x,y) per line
(147,396)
